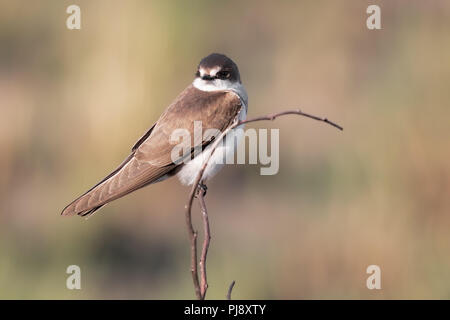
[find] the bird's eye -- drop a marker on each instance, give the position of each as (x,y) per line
(223,74)
(197,74)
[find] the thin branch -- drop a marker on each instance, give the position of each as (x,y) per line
(206,240)
(230,289)
(237,124)
(200,293)
(297,112)
(193,239)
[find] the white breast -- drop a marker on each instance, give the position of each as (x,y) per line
(189,171)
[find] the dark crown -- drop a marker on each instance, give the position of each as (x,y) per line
(228,70)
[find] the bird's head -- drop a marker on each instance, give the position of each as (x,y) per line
(216,71)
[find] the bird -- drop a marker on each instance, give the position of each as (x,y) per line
(217,98)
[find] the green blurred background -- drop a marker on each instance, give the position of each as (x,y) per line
(73,102)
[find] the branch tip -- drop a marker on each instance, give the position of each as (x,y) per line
(200,288)
(230,289)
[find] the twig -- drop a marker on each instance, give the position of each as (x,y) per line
(237,124)
(206,240)
(200,293)
(193,238)
(297,112)
(230,289)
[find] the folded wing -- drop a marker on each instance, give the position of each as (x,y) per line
(150,159)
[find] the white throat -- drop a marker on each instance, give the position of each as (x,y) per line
(222,85)
(189,171)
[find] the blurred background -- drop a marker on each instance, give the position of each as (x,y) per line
(73,102)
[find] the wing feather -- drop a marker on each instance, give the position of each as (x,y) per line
(150,158)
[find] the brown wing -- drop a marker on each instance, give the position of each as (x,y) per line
(150,158)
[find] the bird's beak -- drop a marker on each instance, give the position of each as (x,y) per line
(207,77)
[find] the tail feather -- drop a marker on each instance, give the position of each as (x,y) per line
(88,213)
(131,175)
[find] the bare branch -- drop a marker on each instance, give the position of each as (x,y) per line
(230,289)
(206,240)
(297,112)
(193,239)
(201,291)
(238,123)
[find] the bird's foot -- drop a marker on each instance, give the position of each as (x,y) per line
(201,188)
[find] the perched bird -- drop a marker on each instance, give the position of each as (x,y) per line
(216,97)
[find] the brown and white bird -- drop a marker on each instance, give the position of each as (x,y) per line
(216,97)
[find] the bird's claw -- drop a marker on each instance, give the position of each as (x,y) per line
(201,188)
